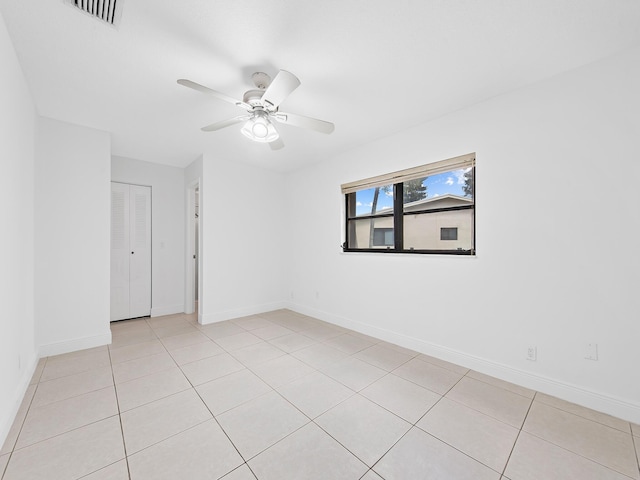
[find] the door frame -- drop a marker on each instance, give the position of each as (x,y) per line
(150,245)
(190,291)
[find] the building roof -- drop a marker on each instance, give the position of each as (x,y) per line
(438,201)
(429,203)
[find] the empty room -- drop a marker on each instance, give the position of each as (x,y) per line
(241,240)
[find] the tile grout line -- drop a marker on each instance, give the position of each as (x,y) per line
(13,447)
(415,425)
(565,448)
(440,440)
(148,375)
(484,413)
(636,447)
(338,441)
(46,360)
(560,409)
(62,433)
(497,386)
(226,435)
(351,396)
(71,374)
(504,469)
(214,417)
(120,415)
(169,437)
(312,420)
(373,472)
(591,460)
(441,397)
(124,445)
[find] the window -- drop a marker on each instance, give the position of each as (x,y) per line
(449,233)
(426,209)
(383,237)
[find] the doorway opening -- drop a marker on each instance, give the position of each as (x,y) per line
(193,264)
(196,228)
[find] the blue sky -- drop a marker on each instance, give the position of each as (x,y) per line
(443,183)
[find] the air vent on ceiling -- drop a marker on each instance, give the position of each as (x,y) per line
(108,11)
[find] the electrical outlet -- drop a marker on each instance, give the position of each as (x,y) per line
(591,352)
(532,353)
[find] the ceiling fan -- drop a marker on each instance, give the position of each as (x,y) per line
(262,106)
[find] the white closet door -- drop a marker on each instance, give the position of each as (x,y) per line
(120,252)
(130,251)
(140,259)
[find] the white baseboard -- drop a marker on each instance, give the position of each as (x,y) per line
(207,318)
(8,417)
(168,310)
(614,406)
(74,345)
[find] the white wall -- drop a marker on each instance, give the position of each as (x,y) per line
(244,240)
(72,211)
(557,216)
(17,130)
(167,220)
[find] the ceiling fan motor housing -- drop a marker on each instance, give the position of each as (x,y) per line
(253,98)
(261,80)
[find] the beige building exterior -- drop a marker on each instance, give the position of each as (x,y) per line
(449,230)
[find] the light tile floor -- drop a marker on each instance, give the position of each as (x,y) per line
(283,396)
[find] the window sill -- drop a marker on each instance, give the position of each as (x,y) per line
(448,253)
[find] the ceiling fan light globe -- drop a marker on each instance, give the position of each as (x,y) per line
(260,129)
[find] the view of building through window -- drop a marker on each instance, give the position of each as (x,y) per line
(430,214)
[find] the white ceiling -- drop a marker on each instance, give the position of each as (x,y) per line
(373,67)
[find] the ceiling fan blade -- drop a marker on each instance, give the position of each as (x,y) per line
(305,122)
(277,144)
(280,88)
(208,91)
(225,123)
